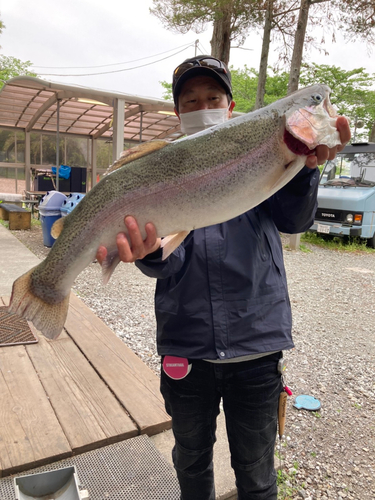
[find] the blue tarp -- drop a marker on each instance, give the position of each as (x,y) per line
(64,171)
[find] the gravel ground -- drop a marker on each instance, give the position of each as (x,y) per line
(327,454)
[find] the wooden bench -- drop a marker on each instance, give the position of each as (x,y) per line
(18,217)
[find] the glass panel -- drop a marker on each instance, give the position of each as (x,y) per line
(103,154)
(12,146)
(76,152)
(12,180)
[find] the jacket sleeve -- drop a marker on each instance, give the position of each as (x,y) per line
(293,207)
(154,267)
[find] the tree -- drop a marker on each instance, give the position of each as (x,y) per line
(352,93)
(231,19)
(245,84)
(264,54)
(11,67)
(357,19)
(299,40)
(279,18)
(2,26)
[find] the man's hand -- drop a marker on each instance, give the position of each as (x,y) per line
(137,248)
(323,153)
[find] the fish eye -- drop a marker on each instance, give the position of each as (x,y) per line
(317,98)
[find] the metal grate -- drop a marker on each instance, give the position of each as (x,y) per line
(14,330)
(131,470)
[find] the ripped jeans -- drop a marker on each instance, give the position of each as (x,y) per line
(250,391)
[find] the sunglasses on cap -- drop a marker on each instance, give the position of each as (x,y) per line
(207,62)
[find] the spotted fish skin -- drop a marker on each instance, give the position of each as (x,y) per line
(201,180)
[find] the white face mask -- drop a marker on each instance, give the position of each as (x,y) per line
(196,121)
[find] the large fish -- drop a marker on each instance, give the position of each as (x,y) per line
(203,179)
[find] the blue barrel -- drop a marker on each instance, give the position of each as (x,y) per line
(70,203)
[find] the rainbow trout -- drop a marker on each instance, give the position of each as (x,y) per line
(203,179)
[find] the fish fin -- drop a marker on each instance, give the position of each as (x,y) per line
(109,264)
(136,152)
(57,227)
(171,242)
(48,318)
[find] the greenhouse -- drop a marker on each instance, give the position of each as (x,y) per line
(91,128)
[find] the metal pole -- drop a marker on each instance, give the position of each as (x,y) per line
(15,158)
(140,127)
(57,143)
(27,161)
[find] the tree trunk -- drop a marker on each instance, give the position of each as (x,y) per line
(221,36)
(371,137)
(299,39)
(259,102)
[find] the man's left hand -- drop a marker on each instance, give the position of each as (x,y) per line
(323,153)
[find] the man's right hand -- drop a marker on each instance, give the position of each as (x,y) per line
(137,248)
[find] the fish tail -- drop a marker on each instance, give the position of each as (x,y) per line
(48,318)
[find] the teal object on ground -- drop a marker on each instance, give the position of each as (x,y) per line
(307,403)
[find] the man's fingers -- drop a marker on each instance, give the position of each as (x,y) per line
(135,236)
(101,254)
(342,126)
(323,153)
(132,247)
(123,248)
(151,238)
(311,162)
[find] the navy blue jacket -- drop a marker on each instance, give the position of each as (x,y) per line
(223,292)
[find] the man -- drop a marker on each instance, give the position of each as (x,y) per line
(222,308)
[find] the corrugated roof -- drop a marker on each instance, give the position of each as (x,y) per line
(31,103)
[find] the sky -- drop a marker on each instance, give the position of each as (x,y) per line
(74,37)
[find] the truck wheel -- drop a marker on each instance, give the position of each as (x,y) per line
(371,242)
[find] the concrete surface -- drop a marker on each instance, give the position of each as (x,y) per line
(15,259)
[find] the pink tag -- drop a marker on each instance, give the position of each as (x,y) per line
(176,368)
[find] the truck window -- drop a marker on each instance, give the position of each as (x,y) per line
(350,170)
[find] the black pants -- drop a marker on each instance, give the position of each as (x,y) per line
(250,391)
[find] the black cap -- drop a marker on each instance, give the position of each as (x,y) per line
(201,65)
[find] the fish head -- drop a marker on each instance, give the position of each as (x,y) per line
(311,120)
(308,120)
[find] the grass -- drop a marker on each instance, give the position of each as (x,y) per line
(338,244)
(305,249)
(34,222)
(287,483)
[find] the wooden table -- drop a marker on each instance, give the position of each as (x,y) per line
(84,390)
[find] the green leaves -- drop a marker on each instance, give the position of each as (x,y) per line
(245,81)
(352,91)
(11,67)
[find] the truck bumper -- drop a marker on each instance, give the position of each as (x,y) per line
(335,229)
